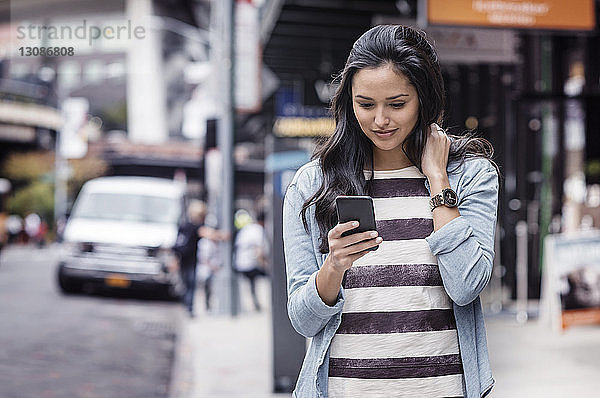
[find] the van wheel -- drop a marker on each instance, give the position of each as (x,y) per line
(67,285)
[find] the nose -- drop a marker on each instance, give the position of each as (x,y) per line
(381,118)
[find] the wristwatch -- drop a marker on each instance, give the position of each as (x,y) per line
(447,198)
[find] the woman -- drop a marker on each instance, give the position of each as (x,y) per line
(404,320)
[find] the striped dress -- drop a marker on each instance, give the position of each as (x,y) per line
(398,334)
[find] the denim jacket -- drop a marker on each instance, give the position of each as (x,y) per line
(464,248)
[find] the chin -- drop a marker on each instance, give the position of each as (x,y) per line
(387,146)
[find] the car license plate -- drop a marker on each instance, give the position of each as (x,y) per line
(117,281)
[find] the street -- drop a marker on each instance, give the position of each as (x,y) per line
(86,345)
(93,345)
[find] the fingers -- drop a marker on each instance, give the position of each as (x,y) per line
(344,257)
(356,256)
(337,231)
(435,155)
(357,237)
(355,243)
(343,251)
(335,234)
(363,246)
(439,134)
(437,130)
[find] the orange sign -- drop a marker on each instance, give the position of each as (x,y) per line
(531,14)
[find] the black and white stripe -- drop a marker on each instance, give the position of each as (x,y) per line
(392,275)
(398,332)
(396,322)
(394,368)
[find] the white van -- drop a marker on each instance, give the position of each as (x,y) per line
(120,234)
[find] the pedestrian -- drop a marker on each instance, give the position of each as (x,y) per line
(251,254)
(209,263)
(186,248)
(3,231)
(403,320)
(40,236)
(32,227)
(14,228)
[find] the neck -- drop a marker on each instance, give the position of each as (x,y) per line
(390,160)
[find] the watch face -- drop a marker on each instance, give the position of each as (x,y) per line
(450,198)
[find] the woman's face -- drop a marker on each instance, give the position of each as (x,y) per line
(386,106)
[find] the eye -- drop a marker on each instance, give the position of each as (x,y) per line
(365,105)
(397,105)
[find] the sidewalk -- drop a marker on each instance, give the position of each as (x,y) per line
(531,360)
(221,357)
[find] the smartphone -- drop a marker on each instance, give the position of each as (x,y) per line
(356,208)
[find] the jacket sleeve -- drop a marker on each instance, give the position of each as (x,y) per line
(465,246)
(306,310)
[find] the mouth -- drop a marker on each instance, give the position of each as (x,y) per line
(384,133)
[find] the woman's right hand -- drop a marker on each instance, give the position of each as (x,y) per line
(345,250)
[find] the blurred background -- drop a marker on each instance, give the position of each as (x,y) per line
(158,103)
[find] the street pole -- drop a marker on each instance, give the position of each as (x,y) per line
(223,66)
(61,170)
(522,271)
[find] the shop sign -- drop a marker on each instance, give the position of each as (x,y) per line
(247,57)
(73,139)
(526,14)
(462,45)
(571,279)
(474,45)
(303,126)
(294,119)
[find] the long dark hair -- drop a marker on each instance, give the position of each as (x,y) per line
(344,156)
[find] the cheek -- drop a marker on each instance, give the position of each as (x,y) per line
(410,118)
(360,117)
(416,113)
(356,112)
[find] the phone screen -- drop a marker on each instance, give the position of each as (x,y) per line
(356,208)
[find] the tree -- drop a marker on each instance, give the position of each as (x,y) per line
(32,177)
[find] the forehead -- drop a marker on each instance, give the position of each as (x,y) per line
(382,81)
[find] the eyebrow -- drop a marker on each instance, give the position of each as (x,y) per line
(388,98)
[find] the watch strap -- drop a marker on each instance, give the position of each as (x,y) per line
(436,201)
(439,199)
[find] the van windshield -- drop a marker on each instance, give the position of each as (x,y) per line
(128,207)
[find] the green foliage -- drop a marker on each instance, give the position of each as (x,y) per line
(115,117)
(36,197)
(27,166)
(84,169)
(593,168)
(32,174)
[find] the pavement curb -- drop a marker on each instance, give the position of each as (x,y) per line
(182,372)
